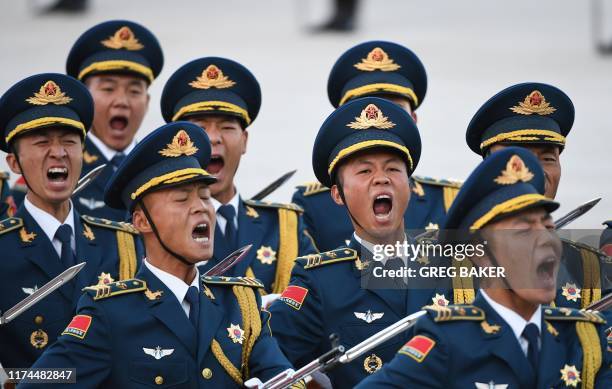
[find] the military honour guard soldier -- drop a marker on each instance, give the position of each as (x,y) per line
(171,325)
(393,72)
(365,152)
(224,98)
(117,60)
(44,119)
(539,117)
(508,338)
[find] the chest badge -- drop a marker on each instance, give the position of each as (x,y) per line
(30,291)
(571,292)
(372,363)
(235,333)
(368,316)
(158,352)
(39,339)
(570,375)
(439,300)
(266,255)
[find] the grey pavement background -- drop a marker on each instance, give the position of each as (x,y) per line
(471,49)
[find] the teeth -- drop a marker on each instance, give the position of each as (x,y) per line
(383,197)
(201,240)
(58,170)
(201,225)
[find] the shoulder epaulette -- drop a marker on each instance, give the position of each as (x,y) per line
(326,258)
(4,176)
(268,204)
(564,313)
(222,280)
(312,187)
(114,225)
(10,224)
(438,181)
(455,312)
(98,292)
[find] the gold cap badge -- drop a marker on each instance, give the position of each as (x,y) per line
(536,103)
(377,59)
(514,172)
(181,145)
(212,77)
(49,93)
(123,38)
(371,116)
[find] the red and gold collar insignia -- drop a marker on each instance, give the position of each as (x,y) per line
(377,59)
(123,38)
(49,93)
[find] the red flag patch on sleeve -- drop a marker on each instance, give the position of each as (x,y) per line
(418,347)
(78,327)
(294,296)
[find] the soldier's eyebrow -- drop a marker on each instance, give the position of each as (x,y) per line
(107,79)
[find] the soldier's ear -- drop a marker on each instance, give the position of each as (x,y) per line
(335,194)
(11,161)
(140,221)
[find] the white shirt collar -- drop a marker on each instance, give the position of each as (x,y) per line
(177,286)
(370,247)
(513,319)
(106,151)
(49,224)
(234,202)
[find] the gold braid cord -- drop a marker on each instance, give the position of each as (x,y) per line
(449,194)
(225,362)
(251,321)
(287,248)
(127,255)
(249,273)
(463,287)
(591,349)
(591,289)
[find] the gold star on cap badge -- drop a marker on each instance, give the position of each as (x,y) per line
(514,172)
(181,145)
(371,116)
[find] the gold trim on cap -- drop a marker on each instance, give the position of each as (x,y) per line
(379,87)
(203,106)
(367,144)
(525,135)
(106,66)
(44,122)
(514,204)
(170,178)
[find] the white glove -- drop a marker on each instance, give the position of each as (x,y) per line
(254,383)
(268,299)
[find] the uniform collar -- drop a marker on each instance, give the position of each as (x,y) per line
(370,247)
(106,151)
(234,202)
(47,222)
(177,286)
(513,319)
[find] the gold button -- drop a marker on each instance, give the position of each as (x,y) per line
(207,373)
(159,380)
(39,320)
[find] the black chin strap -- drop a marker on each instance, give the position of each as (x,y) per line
(23,172)
(341,192)
(494,261)
(159,239)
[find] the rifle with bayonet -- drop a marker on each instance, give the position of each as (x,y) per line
(338,355)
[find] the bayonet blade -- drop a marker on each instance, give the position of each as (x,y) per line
(576,213)
(41,293)
(273,186)
(88,178)
(229,261)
